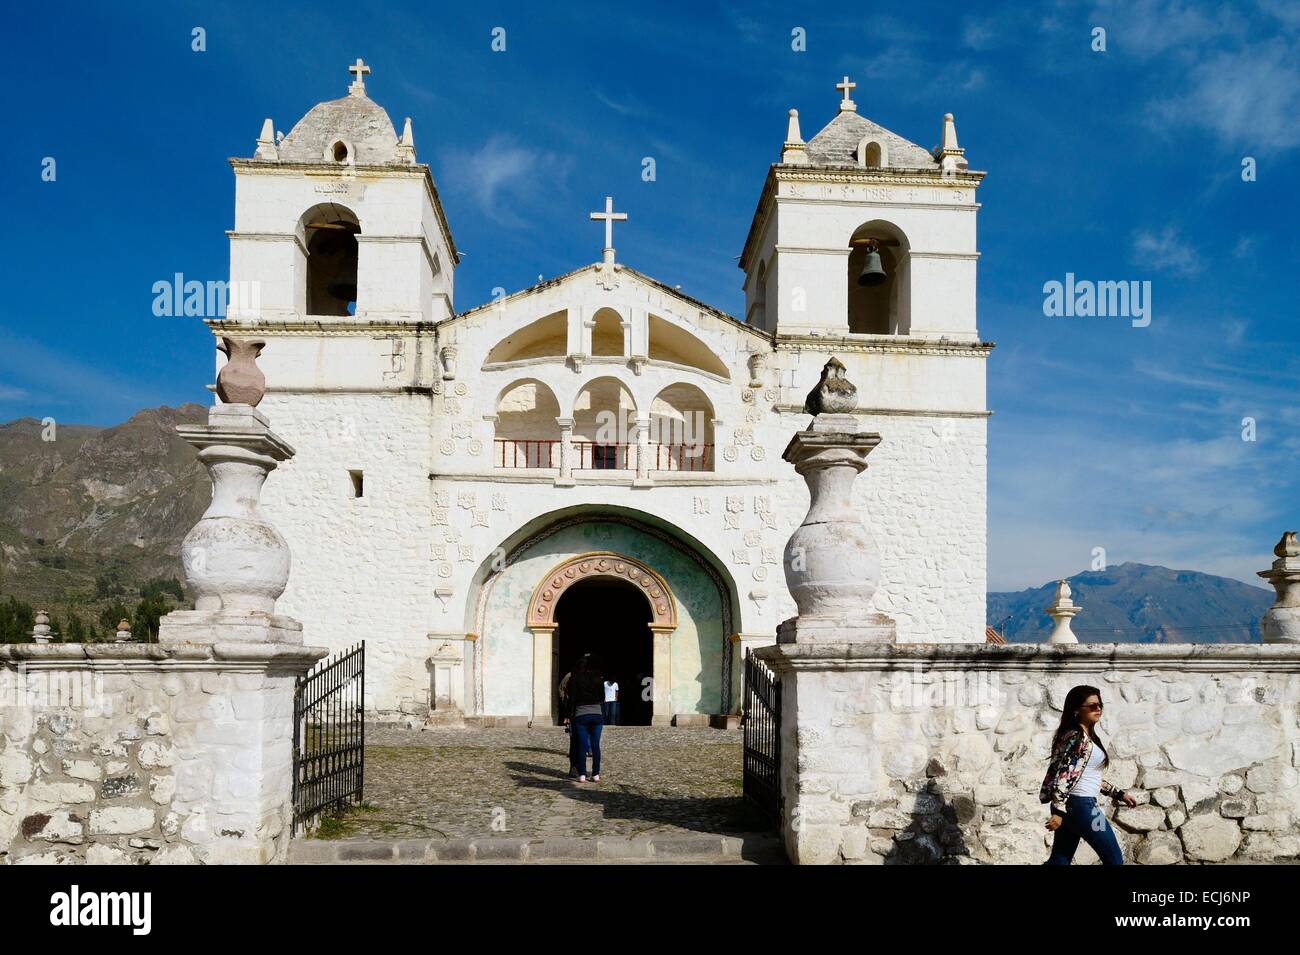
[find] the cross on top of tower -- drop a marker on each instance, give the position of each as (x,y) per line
(358,68)
(610,217)
(844,86)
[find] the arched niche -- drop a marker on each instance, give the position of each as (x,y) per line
(548,337)
(883,309)
(607,334)
(604,415)
(328,232)
(671,343)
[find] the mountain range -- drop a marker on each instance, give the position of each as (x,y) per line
(97,512)
(1139,603)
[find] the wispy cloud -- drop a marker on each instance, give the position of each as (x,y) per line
(501,176)
(1166,252)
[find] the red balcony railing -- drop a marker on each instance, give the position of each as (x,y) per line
(520,453)
(597,456)
(601,456)
(682,457)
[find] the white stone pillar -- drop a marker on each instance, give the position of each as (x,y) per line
(832,566)
(543,677)
(643,454)
(566,451)
(1062,611)
(1281,623)
(662,710)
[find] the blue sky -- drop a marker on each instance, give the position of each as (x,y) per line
(1116,165)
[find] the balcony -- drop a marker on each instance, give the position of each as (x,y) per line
(520,454)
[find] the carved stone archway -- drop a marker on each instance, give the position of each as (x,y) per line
(541,621)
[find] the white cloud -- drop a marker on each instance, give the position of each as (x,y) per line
(501,176)
(1166,252)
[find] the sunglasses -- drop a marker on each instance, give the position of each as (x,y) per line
(1094,706)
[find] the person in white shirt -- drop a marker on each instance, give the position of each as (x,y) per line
(611,703)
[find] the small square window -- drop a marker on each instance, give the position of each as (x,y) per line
(358,483)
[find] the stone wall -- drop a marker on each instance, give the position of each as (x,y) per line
(929,754)
(147,753)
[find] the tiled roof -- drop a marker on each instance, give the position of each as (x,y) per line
(837,144)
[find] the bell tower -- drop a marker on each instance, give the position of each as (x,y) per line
(338,222)
(861,232)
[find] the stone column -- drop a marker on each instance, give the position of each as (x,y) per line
(832,566)
(832,569)
(1281,623)
(1062,611)
(662,711)
(566,451)
(543,678)
(643,453)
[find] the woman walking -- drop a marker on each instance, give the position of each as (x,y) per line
(1073,782)
(587,691)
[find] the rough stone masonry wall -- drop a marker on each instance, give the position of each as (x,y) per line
(930,754)
(145,754)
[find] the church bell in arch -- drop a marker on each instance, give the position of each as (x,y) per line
(873,273)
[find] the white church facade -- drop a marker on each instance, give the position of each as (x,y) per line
(594,463)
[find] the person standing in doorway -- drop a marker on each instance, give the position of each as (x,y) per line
(1073,783)
(587,691)
(611,703)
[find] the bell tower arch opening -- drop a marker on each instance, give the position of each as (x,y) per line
(879,280)
(329,236)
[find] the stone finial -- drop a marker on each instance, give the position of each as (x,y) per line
(834,393)
(795,151)
(832,564)
(240,381)
(406,145)
(950,156)
(266,148)
(41,631)
(1281,622)
(1062,610)
(123,634)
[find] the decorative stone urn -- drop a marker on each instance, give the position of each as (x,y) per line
(1281,622)
(447,356)
(240,381)
(123,634)
(1062,610)
(832,566)
(757,362)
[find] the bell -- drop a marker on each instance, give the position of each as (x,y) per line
(872,273)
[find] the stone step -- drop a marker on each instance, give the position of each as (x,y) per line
(692,848)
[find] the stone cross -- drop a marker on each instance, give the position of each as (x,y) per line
(610,217)
(360,69)
(844,86)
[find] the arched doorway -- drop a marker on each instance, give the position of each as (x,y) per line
(608,617)
(611,570)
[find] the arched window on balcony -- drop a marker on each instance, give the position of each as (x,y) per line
(681,430)
(604,416)
(527,432)
(329,234)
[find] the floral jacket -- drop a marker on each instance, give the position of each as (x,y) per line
(1068,761)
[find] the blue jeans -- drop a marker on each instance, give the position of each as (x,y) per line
(588,728)
(611,712)
(1083,820)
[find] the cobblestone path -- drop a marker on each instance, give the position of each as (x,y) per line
(463,783)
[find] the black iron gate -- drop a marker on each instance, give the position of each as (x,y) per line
(761,720)
(329,736)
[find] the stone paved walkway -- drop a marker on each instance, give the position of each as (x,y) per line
(445,783)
